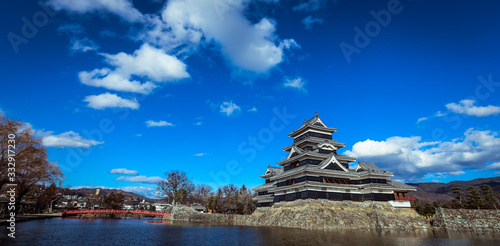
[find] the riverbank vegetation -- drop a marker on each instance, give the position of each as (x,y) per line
(177,188)
(24,162)
(471,198)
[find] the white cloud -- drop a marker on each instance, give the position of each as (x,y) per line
(151,123)
(200,154)
(114,81)
(123,171)
(296,83)
(437,114)
(249,46)
(422,119)
(310,5)
(150,62)
(456,173)
(138,135)
(2,113)
(147,62)
(229,108)
(83,45)
(67,139)
(411,158)
(121,8)
(108,100)
(493,166)
(198,123)
(467,107)
(79,42)
(141,179)
(310,20)
(254,109)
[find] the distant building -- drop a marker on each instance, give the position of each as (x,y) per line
(314,169)
(131,204)
(161,207)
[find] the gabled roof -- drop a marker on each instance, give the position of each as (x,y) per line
(264,186)
(314,123)
(344,158)
(369,167)
(317,141)
(295,150)
(298,157)
(271,171)
(331,160)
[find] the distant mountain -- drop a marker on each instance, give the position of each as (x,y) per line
(104,192)
(442,193)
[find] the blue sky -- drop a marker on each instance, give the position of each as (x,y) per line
(123,91)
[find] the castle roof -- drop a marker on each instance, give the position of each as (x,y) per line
(271,171)
(370,167)
(313,123)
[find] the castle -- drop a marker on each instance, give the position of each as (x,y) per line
(314,169)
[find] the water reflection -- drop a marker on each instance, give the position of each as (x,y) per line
(70,231)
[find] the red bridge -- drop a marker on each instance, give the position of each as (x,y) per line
(111,211)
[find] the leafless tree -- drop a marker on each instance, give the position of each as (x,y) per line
(201,194)
(32,168)
(173,182)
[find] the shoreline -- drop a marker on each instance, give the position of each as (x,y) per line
(28,217)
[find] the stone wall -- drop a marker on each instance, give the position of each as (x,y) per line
(467,219)
(317,214)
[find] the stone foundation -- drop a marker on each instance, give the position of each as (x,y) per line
(317,214)
(467,219)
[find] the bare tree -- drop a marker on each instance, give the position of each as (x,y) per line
(32,168)
(201,194)
(175,180)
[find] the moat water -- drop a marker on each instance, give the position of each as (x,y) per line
(71,231)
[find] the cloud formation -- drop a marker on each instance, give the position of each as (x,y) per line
(467,107)
(437,114)
(122,8)
(229,108)
(248,46)
(151,123)
(67,139)
(147,62)
(123,171)
(310,20)
(310,5)
(111,80)
(79,42)
(412,159)
(108,100)
(297,83)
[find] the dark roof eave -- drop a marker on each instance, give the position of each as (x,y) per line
(304,127)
